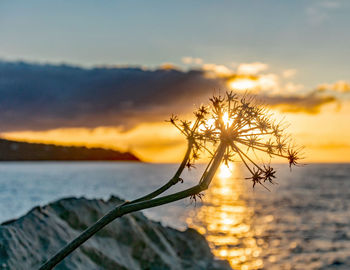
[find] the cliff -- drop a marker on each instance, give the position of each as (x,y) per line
(131,242)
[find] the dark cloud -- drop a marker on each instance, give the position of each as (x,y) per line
(40,97)
(310,103)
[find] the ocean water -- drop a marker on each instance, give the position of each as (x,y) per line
(303,222)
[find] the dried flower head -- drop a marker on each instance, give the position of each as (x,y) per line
(244,127)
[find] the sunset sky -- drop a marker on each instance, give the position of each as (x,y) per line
(109,73)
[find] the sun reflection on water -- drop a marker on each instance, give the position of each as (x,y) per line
(225,220)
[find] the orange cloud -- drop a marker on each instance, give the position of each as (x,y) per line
(168,66)
(339,86)
(310,103)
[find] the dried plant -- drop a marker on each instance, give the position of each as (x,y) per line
(230,128)
(244,128)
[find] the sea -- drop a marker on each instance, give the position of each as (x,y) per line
(300,222)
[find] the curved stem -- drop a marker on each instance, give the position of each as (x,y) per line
(117,212)
(172,181)
(132,207)
(214,166)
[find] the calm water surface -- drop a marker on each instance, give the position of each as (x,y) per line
(303,223)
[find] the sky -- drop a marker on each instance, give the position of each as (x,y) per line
(108,73)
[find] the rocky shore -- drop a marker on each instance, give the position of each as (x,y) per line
(132,242)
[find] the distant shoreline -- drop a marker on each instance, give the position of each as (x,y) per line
(75,160)
(24,151)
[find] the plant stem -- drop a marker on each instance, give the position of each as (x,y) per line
(132,207)
(172,181)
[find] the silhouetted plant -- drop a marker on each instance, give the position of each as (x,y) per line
(228,129)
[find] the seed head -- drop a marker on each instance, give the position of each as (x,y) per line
(244,127)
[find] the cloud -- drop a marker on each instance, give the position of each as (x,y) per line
(168,66)
(309,103)
(293,88)
(289,73)
(254,83)
(214,70)
(330,4)
(44,97)
(339,86)
(40,97)
(268,82)
(320,11)
(251,68)
(191,60)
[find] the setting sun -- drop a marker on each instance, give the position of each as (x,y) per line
(226,171)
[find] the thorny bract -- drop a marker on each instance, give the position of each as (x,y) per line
(244,127)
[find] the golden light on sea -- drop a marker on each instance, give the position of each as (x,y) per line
(226,220)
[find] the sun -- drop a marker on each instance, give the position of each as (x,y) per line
(226,171)
(227,120)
